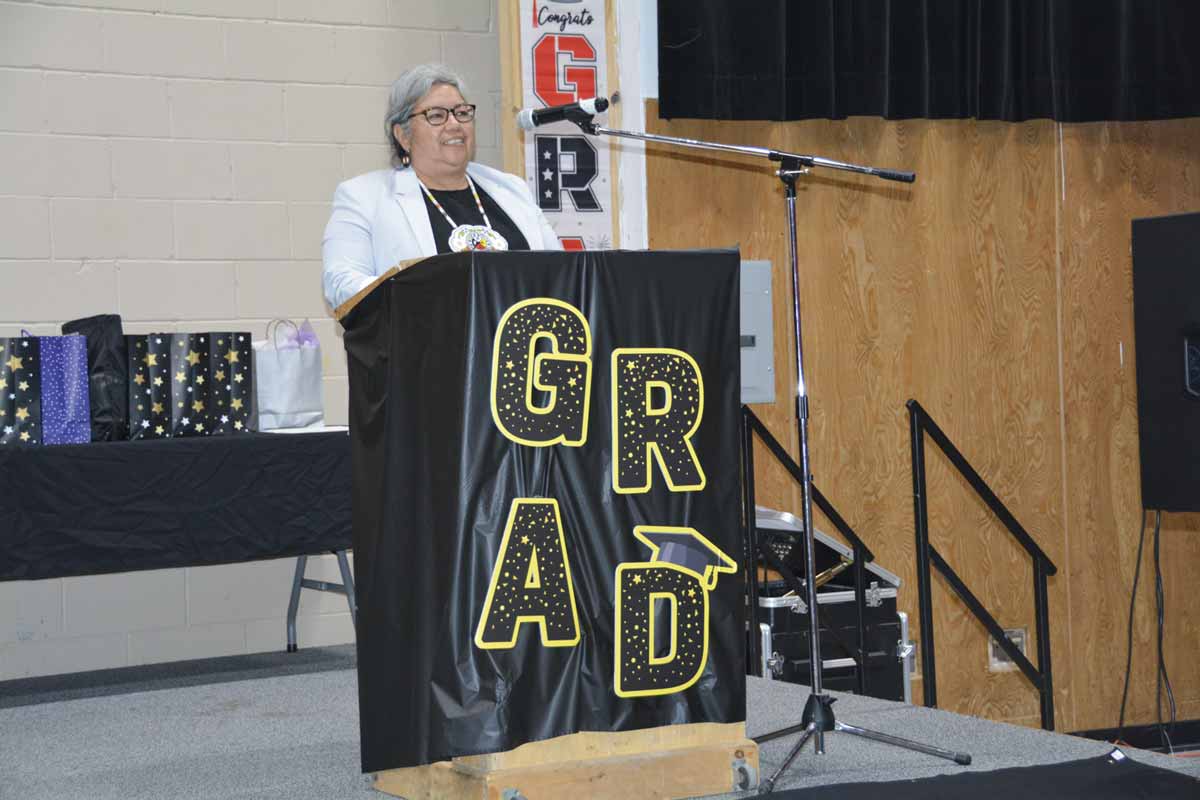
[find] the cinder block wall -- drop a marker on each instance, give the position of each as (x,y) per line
(173,161)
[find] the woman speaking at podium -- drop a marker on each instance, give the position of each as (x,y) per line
(435,199)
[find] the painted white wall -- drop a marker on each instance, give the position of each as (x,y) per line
(630,153)
(637,58)
(648,13)
(173,161)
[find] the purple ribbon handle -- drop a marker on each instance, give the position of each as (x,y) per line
(294,337)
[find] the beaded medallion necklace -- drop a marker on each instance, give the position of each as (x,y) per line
(469,237)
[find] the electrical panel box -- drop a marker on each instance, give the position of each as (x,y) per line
(758,340)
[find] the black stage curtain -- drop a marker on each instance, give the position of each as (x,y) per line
(123,506)
(1068,60)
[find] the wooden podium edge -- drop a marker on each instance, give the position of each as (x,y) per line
(348,306)
(651,764)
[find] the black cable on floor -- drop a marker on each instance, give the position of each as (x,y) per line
(1137,571)
(1160,674)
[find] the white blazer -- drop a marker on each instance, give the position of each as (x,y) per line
(380,219)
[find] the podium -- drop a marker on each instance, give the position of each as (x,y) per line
(547,525)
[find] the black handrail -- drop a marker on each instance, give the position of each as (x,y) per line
(920,424)
(792,467)
(751,426)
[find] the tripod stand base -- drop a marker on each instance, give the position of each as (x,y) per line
(958,758)
(818,719)
(818,714)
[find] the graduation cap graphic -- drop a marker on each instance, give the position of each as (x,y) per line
(687,548)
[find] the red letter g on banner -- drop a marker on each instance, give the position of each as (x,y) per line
(558,87)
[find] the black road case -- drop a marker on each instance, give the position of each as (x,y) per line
(783,620)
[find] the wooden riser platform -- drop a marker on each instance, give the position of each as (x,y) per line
(669,762)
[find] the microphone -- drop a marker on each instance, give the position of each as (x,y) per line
(530,118)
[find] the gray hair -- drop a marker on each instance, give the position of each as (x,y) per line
(407,91)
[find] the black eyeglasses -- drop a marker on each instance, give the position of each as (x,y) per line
(437,115)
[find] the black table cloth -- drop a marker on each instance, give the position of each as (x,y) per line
(124,506)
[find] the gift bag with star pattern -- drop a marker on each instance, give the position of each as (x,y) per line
(20,391)
(44,390)
(66,410)
(232,371)
(189,384)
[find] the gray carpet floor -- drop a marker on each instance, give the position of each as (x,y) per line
(295,736)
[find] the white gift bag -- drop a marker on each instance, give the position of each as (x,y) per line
(287,371)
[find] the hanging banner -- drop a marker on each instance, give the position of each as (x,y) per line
(547,518)
(564,60)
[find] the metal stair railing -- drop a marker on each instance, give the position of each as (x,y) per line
(752,426)
(921,425)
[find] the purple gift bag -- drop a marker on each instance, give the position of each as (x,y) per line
(66,412)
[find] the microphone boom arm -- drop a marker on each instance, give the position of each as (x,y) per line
(790,161)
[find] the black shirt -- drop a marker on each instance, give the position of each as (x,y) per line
(460,205)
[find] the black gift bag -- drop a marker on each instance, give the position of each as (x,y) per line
(150,380)
(20,391)
(190,384)
(232,388)
(108,375)
(44,390)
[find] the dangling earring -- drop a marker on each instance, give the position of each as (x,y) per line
(405,160)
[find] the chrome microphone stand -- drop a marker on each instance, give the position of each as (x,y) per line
(818,717)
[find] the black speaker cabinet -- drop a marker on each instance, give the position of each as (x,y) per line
(1166,311)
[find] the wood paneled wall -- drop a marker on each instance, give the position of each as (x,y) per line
(997,291)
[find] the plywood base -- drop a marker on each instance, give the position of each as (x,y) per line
(669,762)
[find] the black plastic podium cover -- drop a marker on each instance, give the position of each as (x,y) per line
(514,581)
